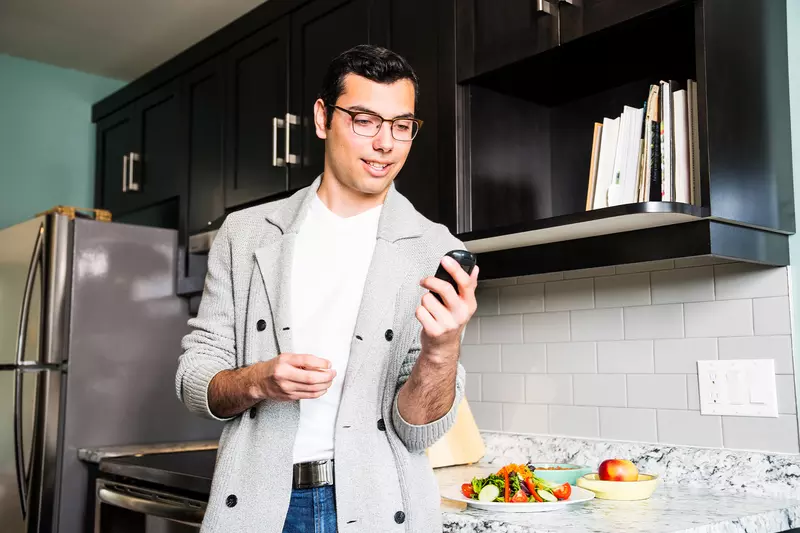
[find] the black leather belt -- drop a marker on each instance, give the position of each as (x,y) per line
(312,474)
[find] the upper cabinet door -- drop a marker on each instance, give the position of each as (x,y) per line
(320,31)
(255,166)
(156,165)
(581,17)
(491,33)
(204,115)
(115,143)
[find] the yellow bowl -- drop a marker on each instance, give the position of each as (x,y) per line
(641,489)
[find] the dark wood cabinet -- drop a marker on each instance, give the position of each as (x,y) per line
(583,17)
(257,88)
(114,145)
(492,33)
(138,160)
(344,24)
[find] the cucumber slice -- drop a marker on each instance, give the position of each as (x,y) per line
(488,493)
(547,496)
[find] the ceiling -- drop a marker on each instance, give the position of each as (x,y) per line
(119,39)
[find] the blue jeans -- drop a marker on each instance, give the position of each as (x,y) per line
(312,511)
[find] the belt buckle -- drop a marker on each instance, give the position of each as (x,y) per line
(312,474)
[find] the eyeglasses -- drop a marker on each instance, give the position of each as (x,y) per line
(369,124)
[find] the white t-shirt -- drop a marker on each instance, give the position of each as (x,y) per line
(329,267)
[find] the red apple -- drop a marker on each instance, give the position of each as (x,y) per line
(618,470)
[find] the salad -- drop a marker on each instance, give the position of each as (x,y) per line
(515,484)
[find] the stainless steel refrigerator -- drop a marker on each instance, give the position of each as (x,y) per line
(90,332)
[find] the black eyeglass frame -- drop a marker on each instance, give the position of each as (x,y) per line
(391,120)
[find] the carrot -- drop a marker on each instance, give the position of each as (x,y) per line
(506,498)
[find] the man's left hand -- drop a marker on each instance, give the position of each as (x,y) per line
(442,324)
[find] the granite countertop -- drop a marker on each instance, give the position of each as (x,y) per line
(671,508)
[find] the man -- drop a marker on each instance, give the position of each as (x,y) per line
(318,340)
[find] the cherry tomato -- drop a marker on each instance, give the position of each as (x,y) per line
(562,492)
(467,490)
(519,497)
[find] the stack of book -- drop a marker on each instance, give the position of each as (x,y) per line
(649,153)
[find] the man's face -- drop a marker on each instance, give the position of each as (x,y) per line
(366,164)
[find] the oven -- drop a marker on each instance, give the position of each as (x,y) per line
(122,507)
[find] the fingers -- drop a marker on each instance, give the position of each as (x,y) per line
(308,361)
(464,281)
(429,323)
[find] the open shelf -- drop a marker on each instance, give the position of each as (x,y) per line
(616,219)
(692,238)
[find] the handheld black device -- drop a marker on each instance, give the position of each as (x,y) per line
(466,259)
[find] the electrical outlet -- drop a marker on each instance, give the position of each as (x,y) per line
(738,387)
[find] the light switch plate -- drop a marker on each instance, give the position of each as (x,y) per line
(738,387)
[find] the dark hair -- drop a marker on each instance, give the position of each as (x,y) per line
(369,61)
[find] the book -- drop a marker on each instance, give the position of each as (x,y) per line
(595,160)
(680,122)
(605,163)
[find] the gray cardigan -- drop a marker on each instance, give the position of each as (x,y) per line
(384,480)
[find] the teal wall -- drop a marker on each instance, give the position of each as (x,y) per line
(793,34)
(46,137)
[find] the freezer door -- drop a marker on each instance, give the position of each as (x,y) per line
(18,393)
(21,291)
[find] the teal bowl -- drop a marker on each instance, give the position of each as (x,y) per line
(569,474)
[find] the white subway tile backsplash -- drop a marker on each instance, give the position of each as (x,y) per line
(523,358)
(589,272)
(726,318)
(646,266)
(625,357)
(628,424)
(657,391)
(623,290)
(481,358)
(654,321)
(546,327)
(700,260)
(525,418)
(574,421)
(504,329)
(488,301)
(777,347)
(569,294)
(693,386)
(771,316)
(548,388)
(787,403)
(473,387)
(767,434)
(612,352)
(680,356)
(743,280)
(604,390)
(517,299)
(499,282)
(683,285)
(571,358)
(488,416)
(540,278)
(689,428)
(596,325)
(472,332)
(509,388)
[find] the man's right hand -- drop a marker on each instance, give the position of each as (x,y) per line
(292,376)
(289,376)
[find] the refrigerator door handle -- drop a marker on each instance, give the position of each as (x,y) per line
(22,478)
(36,258)
(22,475)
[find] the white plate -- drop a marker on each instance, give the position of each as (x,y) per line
(578,495)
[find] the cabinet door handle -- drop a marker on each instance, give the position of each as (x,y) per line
(125,173)
(291,120)
(276,161)
(132,185)
(576,3)
(544,6)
